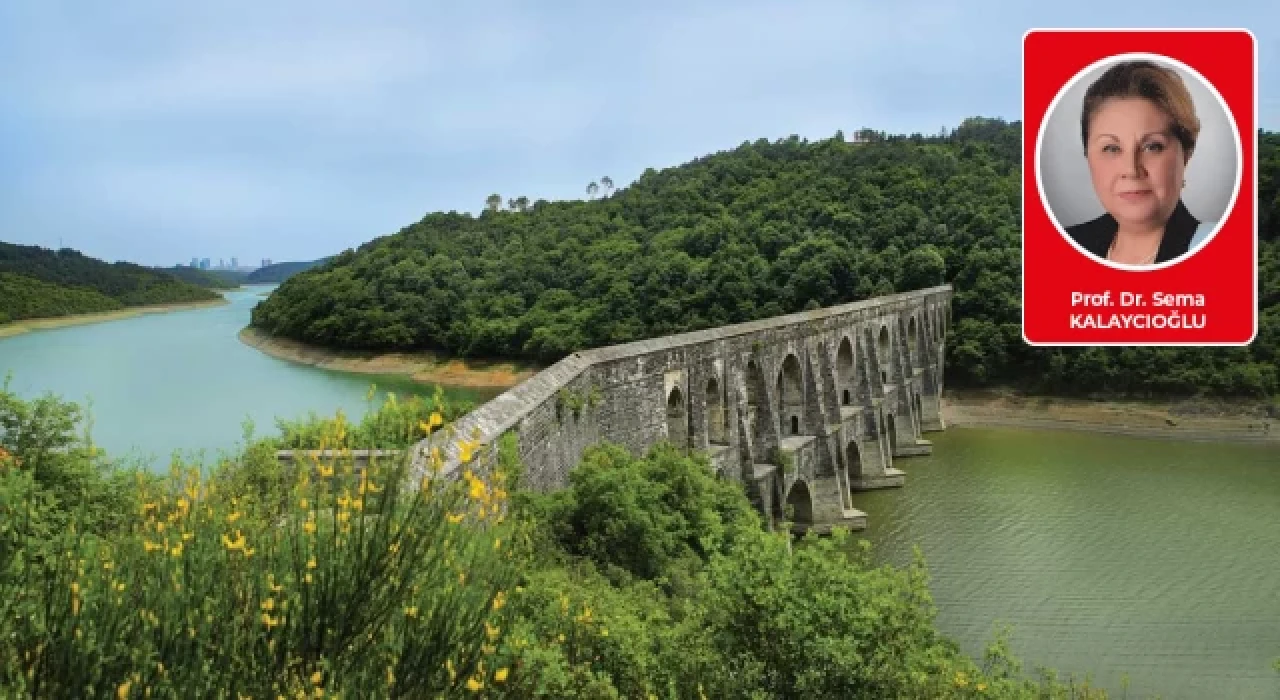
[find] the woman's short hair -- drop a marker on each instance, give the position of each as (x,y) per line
(1150,81)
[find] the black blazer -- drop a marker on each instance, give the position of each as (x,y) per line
(1096,236)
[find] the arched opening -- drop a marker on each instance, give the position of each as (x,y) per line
(677,420)
(756,411)
(790,395)
(799,508)
(844,370)
(882,353)
(893,434)
(913,341)
(717,430)
(853,460)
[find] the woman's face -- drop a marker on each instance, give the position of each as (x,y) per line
(1136,163)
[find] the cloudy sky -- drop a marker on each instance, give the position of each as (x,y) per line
(158,131)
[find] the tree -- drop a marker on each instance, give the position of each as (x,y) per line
(493,202)
(592,189)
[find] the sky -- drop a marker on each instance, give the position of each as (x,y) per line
(156,132)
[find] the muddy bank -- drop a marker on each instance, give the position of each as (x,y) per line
(39,324)
(1193,419)
(420,367)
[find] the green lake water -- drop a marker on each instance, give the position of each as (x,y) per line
(182,381)
(1108,555)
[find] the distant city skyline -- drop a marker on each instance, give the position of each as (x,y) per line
(152,132)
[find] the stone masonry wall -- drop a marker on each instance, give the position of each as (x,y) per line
(781,389)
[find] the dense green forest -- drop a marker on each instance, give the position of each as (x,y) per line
(279,272)
(765,229)
(209,279)
(37,282)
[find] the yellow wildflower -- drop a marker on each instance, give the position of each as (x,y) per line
(474,685)
(309,527)
(325,472)
(303,504)
(316,678)
(448,666)
(176,551)
(122,691)
(233,517)
(436,419)
(961,679)
(271,583)
(237,543)
(269,621)
(492,632)
(269,604)
(499,600)
(455,518)
(981,687)
(500,676)
(411,611)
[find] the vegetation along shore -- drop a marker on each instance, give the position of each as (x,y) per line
(37,324)
(646,578)
(422,367)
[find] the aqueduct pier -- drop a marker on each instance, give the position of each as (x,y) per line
(803,409)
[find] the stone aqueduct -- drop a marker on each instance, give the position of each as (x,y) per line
(803,409)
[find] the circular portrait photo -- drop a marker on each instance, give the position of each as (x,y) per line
(1138,161)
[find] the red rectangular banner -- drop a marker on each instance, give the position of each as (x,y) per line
(1139,187)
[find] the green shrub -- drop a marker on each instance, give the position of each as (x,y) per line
(366,586)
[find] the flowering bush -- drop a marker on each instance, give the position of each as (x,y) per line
(364,586)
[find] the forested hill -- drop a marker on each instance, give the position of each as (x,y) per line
(279,272)
(37,282)
(765,229)
(209,279)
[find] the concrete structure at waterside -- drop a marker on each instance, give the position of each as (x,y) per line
(802,409)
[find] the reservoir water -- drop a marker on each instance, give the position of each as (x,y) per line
(1107,555)
(182,381)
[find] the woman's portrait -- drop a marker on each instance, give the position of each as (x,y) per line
(1148,170)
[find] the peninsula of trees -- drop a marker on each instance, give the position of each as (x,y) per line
(279,272)
(37,282)
(764,229)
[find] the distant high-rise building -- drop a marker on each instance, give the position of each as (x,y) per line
(235,264)
(195,262)
(204,263)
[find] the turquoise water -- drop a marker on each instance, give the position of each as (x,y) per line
(1108,555)
(181,381)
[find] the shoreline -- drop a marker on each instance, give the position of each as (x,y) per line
(16,328)
(1212,420)
(420,367)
